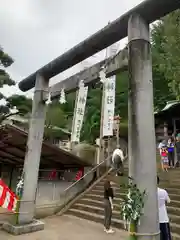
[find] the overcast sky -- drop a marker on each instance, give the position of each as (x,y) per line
(35,32)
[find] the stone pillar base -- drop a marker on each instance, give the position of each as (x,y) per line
(35,226)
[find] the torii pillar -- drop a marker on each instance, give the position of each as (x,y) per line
(33,154)
(141,139)
(26,222)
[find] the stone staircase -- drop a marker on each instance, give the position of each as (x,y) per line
(90,205)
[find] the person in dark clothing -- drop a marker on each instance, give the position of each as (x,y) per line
(170,147)
(178,151)
(108,206)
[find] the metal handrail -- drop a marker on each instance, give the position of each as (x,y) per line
(66,191)
(89,172)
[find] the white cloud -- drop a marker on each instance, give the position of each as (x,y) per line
(35,32)
(3,102)
(9,90)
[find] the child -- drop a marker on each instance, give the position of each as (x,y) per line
(164,158)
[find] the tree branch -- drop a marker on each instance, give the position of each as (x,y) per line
(4,117)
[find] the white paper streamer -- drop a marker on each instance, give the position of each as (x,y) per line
(49,99)
(62,99)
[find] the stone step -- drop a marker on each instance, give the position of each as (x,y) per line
(171,172)
(91,205)
(122,195)
(95,217)
(95,209)
(175,228)
(119,198)
(115,188)
(118,223)
(96,203)
(117,191)
(174,213)
(120,186)
(101,197)
(174,197)
(174,219)
(175,236)
(168,186)
(175,204)
(170,183)
(173,190)
(173,210)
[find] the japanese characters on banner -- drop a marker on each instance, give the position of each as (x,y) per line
(109,104)
(109,96)
(79,113)
(8,199)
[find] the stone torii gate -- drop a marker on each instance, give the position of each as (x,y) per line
(142,154)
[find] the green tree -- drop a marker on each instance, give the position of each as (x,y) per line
(56,118)
(166,53)
(122,96)
(22,104)
(5,61)
(91,125)
(162,91)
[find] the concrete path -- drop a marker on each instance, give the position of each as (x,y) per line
(68,228)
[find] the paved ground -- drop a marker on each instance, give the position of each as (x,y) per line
(68,228)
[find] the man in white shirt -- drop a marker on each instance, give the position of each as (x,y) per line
(163,198)
(117,161)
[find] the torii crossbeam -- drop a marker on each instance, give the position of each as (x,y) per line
(149,10)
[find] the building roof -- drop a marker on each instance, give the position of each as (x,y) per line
(171,110)
(13,147)
(22,119)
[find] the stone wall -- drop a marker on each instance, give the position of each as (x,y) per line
(51,195)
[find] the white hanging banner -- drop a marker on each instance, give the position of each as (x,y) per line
(109,104)
(79,113)
(109,95)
